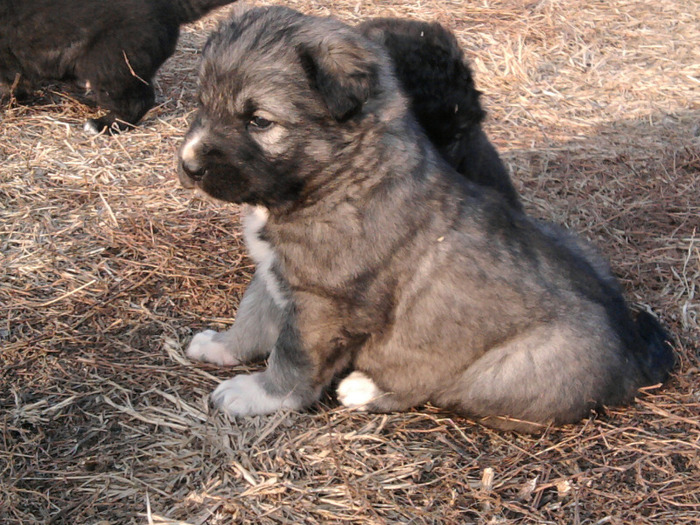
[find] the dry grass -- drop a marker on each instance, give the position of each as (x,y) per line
(107,267)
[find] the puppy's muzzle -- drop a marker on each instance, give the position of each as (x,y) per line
(189,174)
(191,168)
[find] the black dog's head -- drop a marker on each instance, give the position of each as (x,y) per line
(281,96)
(434,73)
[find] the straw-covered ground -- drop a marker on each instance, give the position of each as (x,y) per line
(107,267)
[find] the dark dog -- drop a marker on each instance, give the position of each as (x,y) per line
(434,73)
(113,47)
(373,255)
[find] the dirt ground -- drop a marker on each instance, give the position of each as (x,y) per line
(108,266)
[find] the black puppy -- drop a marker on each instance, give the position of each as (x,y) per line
(433,72)
(113,47)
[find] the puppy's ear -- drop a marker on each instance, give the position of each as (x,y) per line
(344,70)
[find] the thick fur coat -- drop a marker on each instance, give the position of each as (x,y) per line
(378,262)
(113,47)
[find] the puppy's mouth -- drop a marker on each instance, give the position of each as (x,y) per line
(195,182)
(203,195)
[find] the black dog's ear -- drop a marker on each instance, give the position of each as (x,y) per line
(344,70)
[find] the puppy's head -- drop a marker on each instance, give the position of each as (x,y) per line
(434,73)
(280,97)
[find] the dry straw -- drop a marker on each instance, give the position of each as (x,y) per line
(107,267)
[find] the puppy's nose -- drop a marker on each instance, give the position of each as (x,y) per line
(194,170)
(191,166)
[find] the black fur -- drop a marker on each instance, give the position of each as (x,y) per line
(113,46)
(432,70)
(654,357)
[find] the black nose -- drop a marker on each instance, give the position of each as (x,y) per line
(194,170)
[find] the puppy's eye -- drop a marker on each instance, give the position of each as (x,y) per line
(259,123)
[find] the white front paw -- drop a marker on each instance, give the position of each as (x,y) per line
(91,127)
(357,391)
(203,348)
(244,395)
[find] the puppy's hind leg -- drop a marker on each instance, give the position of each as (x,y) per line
(359,392)
(252,336)
(555,374)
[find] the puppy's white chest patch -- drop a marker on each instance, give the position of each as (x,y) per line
(261,251)
(254,220)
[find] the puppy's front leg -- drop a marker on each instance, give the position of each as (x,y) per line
(127,104)
(286,383)
(252,336)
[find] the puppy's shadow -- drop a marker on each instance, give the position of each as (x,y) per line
(639,174)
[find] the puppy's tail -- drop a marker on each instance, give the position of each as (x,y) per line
(191,10)
(657,359)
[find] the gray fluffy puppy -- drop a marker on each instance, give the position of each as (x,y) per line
(375,257)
